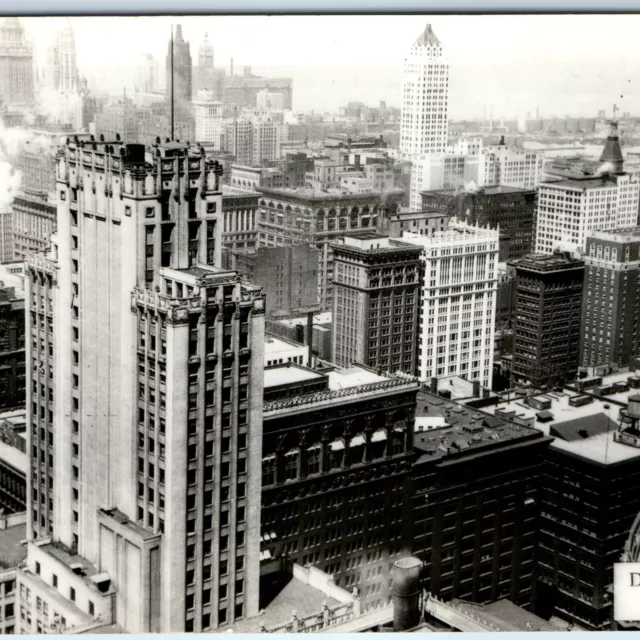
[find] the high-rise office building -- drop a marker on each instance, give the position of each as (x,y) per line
(611,298)
(205,74)
(425,100)
(209,124)
(147,74)
(458,306)
(16,65)
(12,354)
(547,319)
(376,302)
(569,209)
(6,236)
(509,166)
(62,68)
(144,487)
(179,71)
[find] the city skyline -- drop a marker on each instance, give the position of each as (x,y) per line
(496,62)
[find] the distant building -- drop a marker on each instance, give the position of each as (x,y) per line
(421,222)
(569,209)
(147,74)
(610,299)
(297,329)
(288,276)
(347,472)
(270,100)
(243,90)
(305,216)
(458,304)
(119,117)
(12,348)
(17,83)
(376,296)
(62,70)
(179,72)
(208,120)
(240,230)
(508,166)
(547,319)
(510,208)
(425,116)
(204,76)
(6,237)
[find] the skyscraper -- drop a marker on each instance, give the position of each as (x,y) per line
(547,319)
(206,75)
(425,107)
(609,333)
(62,67)
(376,282)
(179,71)
(145,399)
(147,74)
(16,65)
(458,306)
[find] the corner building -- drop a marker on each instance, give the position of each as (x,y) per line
(145,400)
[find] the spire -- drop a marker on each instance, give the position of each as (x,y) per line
(179,37)
(612,152)
(427,38)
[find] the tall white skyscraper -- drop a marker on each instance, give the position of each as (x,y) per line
(457,315)
(425,105)
(62,66)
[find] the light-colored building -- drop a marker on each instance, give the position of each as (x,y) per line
(129,473)
(458,306)
(16,65)
(508,166)
(266,99)
(569,209)
(208,119)
(425,100)
(280,351)
(6,237)
(147,74)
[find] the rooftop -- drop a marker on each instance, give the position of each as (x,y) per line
(501,614)
(486,191)
(585,431)
(583,184)
(14,457)
(352,377)
(288,374)
(547,262)
(12,551)
(318,318)
(468,429)
(273,345)
(631,234)
(427,38)
(293,595)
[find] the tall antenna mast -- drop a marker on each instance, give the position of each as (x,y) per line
(173,88)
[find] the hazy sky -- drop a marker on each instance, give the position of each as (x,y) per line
(562,64)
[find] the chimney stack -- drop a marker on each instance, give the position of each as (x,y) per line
(406,594)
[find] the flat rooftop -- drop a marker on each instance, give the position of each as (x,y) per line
(582,184)
(551,262)
(288,374)
(454,428)
(12,551)
(352,377)
(631,234)
(273,345)
(14,457)
(598,421)
(503,615)
(318,318)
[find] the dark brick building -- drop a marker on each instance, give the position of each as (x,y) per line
(611,298)
(510,207)
(546,321)
(476,504)
(12,353)
(335,476)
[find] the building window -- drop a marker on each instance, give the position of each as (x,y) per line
(72,594)
(291,464)
(314,453)
(268,470)
(336,453)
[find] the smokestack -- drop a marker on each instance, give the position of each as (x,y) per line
(433,386)
(476,388)
(310,336)
(406,594)
(502,142)
(231,67)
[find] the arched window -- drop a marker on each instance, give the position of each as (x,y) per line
(336,453)
(397,444)
(314,456)
(356,449)
(268,470)
(292,464)
(378,443)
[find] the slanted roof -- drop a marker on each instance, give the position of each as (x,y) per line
(582,428)
(427,38)
(612,151)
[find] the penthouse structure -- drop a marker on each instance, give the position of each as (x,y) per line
(304,216)
(569,209)
(376,291)
(458,304)
(547,319)
(336,454)
(144,486)
(611,298)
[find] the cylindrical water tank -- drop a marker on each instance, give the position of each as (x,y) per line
(633,408)
(406,594)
